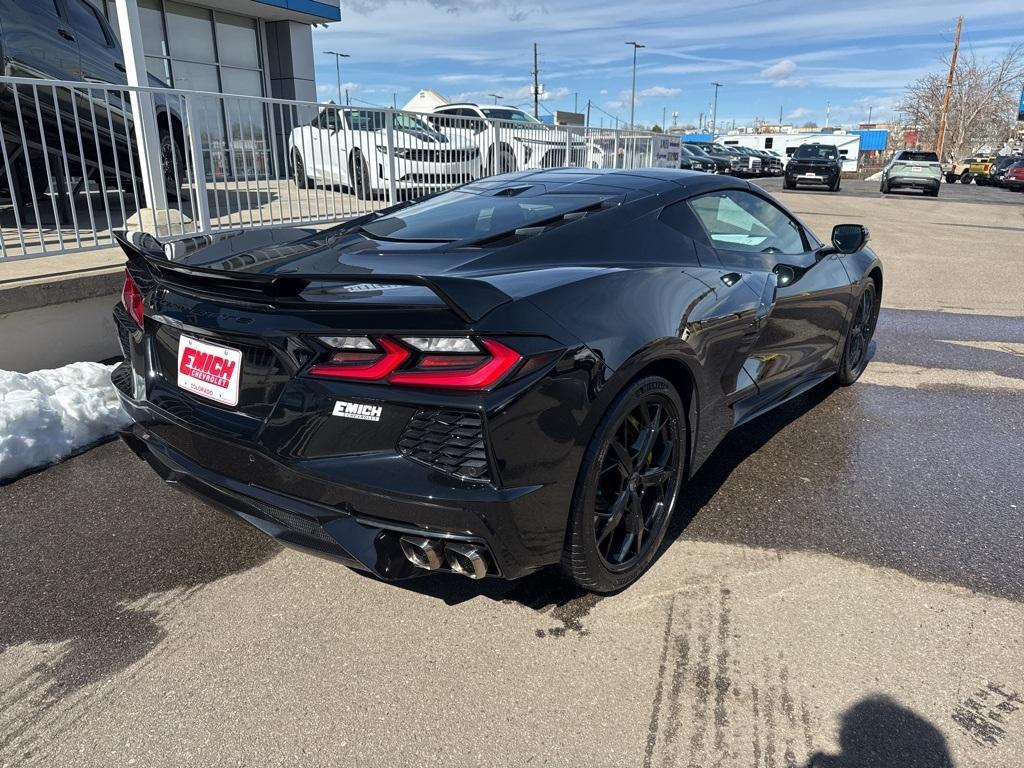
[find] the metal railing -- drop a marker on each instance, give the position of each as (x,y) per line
(70,173)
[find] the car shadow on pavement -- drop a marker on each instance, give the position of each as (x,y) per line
(86,587)
(878,732)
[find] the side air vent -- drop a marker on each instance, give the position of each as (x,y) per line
(449,441)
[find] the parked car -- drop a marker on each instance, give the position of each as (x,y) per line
(70,40)
(348,147)
(510,139)
(912,169)
(817,164)
(1014,178)
(960,171)
(980,168)
(519,373)
(693,159)
(725,162)
(771,164)
(997,171)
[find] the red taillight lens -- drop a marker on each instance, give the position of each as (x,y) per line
(364,365)
(131,298)
(485,374)
(475,369)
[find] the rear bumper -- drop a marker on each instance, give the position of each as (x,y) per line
(357,525)
(914,182)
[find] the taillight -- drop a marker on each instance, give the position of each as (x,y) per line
(362,360)
(419,361)
(131,298)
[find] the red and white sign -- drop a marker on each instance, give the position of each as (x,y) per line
(209,370)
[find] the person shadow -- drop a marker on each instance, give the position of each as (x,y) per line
(878,732)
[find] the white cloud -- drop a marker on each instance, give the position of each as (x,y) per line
(781,73)
(658,90)
(798,113)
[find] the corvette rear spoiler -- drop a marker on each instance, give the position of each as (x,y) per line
(470,299)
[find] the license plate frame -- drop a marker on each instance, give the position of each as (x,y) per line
(210,370)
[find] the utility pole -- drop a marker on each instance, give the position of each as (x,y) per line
(576,102)
(347,101)
(714,110)
(632,100)
(337,70)
(828,112)
(664,111)
(940,139)
(780,116)
(588,113)
(496,96)
(870,107)
(536,85)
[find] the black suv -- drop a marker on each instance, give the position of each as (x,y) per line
(88,129)
(693,159)
(818,164)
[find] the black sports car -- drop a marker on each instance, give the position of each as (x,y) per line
(518,373)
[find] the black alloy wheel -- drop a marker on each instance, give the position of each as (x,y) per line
(629,484)
(858,338)
(301,179)
(172,163)
(359,176)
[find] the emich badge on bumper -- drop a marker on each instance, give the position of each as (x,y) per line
(360,411)
(209,370)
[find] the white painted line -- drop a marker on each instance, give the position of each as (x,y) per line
(1009,347)
(917,377)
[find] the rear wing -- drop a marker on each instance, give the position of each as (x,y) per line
(469,299)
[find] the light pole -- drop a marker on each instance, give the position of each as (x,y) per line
(870,107)
(714,110)
(632,100)
(496,96)
(337,68)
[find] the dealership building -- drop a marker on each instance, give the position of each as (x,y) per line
(248,47)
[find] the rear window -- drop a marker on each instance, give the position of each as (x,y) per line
(816,151)
(920,157)
(459,215)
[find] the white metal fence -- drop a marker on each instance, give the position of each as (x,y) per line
(70,173)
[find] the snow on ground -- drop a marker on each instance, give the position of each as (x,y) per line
(874,177)
(48,415)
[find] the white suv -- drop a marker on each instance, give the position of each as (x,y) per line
(509,138)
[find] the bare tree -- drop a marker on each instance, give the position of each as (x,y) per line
(982,104)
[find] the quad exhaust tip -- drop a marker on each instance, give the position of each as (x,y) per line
(423,553)
(466,559)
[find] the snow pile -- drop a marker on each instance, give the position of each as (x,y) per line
(47,415)
(874,177)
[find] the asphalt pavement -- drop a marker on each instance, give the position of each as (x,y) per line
(843,585)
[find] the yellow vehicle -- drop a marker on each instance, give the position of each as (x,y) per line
(981,166)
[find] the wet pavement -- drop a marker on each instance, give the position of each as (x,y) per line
(843,587)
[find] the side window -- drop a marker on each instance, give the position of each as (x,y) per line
(768,142)
(328,119)
(680,217)
(86,21)
(739,222)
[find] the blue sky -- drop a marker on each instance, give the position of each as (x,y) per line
(797,56)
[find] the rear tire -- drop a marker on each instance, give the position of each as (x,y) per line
(965,177)
(884,187)
(858,336)
(787,184)
(627,487)
(172,163)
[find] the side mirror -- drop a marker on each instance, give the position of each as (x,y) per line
(849,238)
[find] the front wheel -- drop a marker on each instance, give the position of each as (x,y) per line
(858,337)
(302,179)
(359,177)
(172,164)
(627,488)
(965,178)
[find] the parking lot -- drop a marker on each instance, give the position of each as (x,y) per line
(842,585)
